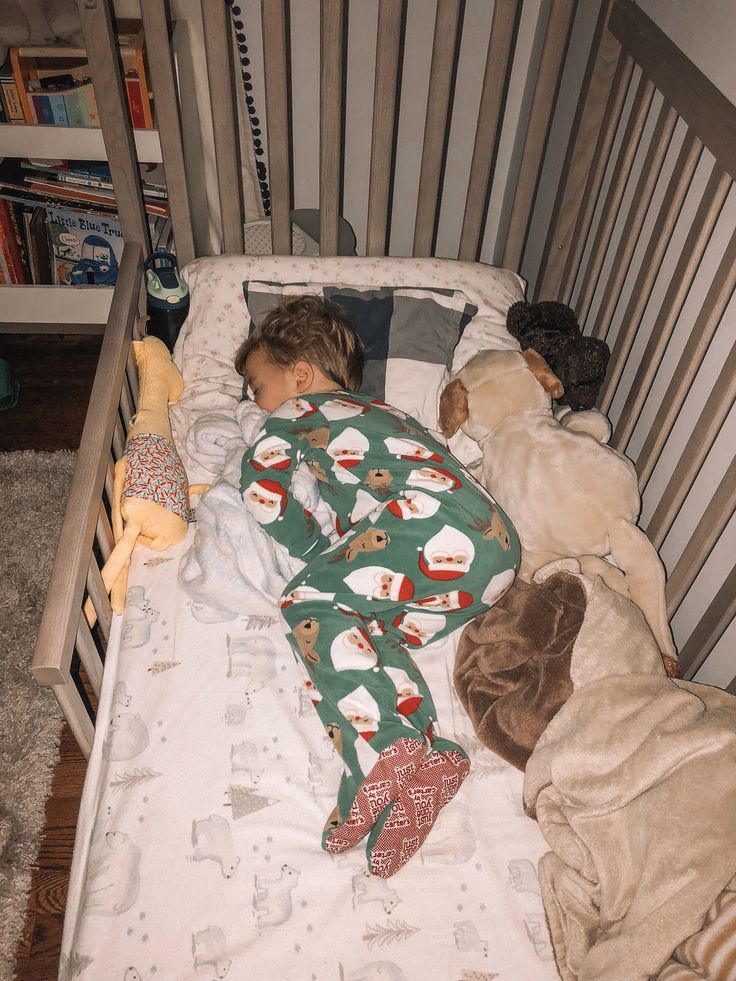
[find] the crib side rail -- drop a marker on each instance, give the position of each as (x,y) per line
(63,627)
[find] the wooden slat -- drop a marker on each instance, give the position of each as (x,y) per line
(75,711)
(592,181)
(58,628)
(100,601)
(640,202)
(711,627)
(273,15)
(651,262)
(127,408)
(681,279)
(705,109)
(118,438)
(706,323)
(619,179)
(109,477)
(707,532)
(102,56)
(330,123)
(385,94)
(218,50)
(488,127)
(131,373)
(161,71)
(89,655)
(706,429)
(540,116)
(103,534)
(436,124)
(598,80)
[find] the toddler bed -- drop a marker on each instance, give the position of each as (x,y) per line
(197,852)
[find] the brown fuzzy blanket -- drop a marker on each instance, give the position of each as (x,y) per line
(512,670)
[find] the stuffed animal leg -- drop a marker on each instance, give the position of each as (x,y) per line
(637,558)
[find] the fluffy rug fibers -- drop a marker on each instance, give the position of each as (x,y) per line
(34,489)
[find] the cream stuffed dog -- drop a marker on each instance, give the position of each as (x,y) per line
(566,493)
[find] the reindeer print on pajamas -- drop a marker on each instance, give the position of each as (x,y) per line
(419,550)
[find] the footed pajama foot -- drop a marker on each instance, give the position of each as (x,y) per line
(396,765)
(400,835)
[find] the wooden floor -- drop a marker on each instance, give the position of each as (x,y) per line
(55,374)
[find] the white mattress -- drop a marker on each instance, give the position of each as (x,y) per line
(197,852)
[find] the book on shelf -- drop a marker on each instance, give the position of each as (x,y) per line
(12,245)
(37,187)
(12,107)
(53,84)
(91,173)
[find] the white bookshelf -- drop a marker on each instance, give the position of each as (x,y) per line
(64,142)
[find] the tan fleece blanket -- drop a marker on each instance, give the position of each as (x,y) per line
(633,784)
(512,668)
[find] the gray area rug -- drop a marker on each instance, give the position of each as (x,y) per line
(33,492)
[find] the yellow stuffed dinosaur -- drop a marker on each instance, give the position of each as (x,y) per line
(150,491)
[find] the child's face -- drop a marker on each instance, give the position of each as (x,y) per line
(270,384)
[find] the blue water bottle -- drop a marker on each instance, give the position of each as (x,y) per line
(167,297)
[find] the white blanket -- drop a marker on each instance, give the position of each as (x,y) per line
(232,559)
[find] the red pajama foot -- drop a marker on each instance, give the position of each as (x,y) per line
(394,767)
(410,820)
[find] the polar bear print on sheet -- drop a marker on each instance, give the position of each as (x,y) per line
(236,712)
(452,840)
(245,758)
(523,876)
(324,775)
(209,614)
(212,841)
(113,875)
(139,616)
(132,974)
(253,658)
(467,938)
(369,888)
(209,950)
(127,736)
(272,897)
(378,971)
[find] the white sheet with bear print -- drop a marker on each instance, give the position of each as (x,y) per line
(197,853)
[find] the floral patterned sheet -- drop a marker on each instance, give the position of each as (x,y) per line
(197,854)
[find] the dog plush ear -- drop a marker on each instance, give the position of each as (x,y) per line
(453,407)
(543,373)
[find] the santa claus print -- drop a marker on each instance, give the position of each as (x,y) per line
(271,453)
(433,479)
(294,409)
(347,450)
(361,710)
(447,555)
(392,410)
(419,628)
(265,499)
(312,694)
(413,504)
(498,585)
(408,449)
(352,650)
(364,505)
(456,599)
(303,593)
(408,698)
(378,582)
(342,408)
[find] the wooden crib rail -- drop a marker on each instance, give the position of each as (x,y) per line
(63,628)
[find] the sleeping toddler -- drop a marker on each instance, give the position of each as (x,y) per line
(419,551)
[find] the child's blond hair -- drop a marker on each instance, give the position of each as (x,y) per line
(305,328)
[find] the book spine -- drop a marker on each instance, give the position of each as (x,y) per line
(11,101)
(135,105)
(3,116)
(75,109)
(16,220)
(57,104)
(9,246)
(19,88)
(41,109)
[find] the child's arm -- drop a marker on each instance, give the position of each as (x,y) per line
(265,484)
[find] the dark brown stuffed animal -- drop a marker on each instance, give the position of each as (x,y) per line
(551,329)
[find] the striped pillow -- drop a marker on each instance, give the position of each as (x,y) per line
(410,335)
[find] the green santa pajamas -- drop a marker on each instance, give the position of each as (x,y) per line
(422,549)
